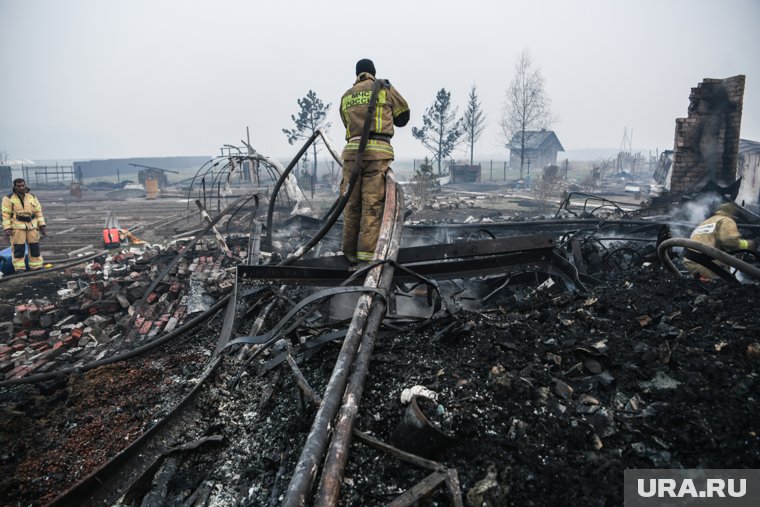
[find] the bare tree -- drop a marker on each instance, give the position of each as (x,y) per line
(441,129)
(311,117)
(527,106)
(473,121)
(548,186)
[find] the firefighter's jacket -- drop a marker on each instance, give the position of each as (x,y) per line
(391,109)
(22,212)
(720,231)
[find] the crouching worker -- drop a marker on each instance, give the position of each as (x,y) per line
(22,223)
(719,231)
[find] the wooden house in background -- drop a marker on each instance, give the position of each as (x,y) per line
(541,147)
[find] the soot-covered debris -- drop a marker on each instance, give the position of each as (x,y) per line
(547,399)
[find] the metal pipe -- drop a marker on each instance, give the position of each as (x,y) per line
(337,456)
(314,448)
(275,190)
(330,148)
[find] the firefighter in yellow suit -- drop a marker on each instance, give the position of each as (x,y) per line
(719,231)
(364,209)
(23,222)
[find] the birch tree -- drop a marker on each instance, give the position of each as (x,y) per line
(527,106)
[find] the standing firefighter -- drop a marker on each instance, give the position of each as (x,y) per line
(719,231)
(364,209)
(23,222)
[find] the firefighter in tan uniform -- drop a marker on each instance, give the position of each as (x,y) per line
(23,222)
(364,209)
(719,231)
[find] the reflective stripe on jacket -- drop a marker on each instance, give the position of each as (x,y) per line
(16,210)
(353,111)
(720,231)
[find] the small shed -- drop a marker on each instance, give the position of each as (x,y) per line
(540,149)
(464,173)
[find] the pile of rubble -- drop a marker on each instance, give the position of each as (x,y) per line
(86,320)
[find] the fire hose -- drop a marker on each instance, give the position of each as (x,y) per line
(719,255)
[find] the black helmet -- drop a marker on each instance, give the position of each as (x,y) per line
(365,65)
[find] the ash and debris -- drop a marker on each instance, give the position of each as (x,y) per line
(547,396)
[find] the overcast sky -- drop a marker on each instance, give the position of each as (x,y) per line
(104,79)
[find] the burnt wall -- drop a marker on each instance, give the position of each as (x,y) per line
(707,142)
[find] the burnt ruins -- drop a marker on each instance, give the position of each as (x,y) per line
(521,356)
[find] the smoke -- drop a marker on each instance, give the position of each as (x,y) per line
(697,210)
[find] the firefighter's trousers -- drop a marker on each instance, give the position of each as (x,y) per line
(19,239)
(363,213)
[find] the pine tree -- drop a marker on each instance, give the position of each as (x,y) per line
(473,121)
(441,129)
(311,117)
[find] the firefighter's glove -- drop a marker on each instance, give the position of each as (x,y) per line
(43,228)
(8,232)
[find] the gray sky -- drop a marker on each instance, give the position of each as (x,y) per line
(103,79)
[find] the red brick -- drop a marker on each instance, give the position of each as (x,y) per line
(20,346)
(23,372)
(58,345)
(4,349)
(77,332)
(69,340)
(18,371)
(146,326)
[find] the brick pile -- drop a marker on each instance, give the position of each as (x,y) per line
(86,321)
